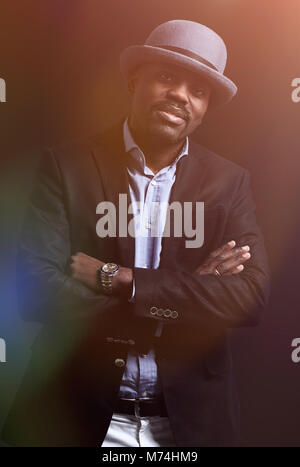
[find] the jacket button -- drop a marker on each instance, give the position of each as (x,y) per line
(153,310)
(167,313)
(109,339)
(131,342)
(119,362)
(174,314)
(160,312)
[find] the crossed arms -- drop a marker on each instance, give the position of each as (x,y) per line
(46,286)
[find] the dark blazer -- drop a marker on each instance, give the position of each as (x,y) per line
(70,388)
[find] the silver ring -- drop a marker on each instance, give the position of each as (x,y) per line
(217,272)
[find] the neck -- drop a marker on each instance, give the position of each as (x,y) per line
(157,154)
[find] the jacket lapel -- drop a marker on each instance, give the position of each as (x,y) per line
(188,187)
(110,158)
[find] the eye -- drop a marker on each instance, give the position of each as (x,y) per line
(165,76)
(199,91)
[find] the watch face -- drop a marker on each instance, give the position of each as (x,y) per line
(110,268)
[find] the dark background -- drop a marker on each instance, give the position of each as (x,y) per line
(60,63)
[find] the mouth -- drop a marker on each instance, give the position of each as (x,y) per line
(170,117)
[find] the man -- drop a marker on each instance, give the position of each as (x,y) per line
(135,348)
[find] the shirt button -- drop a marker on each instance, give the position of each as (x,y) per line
(148,225)
(153,182)
(144,394)
(119,362)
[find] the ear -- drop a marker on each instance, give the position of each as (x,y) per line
(132,80)
(131,84)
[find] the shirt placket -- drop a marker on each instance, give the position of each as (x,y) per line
(149,222)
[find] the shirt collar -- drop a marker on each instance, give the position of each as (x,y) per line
(137,153)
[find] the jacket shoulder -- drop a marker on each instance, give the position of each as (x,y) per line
(82,145)
(214,161)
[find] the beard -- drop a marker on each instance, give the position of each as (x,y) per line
(164,133)
(151,131)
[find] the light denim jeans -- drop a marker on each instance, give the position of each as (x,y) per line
(133,431)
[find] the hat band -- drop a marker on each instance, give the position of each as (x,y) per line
(189,54)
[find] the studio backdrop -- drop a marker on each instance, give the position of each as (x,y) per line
(60,78)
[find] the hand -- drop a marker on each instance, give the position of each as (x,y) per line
(84,268)
(227,259)
(122,283)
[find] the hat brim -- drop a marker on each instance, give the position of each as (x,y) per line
(223,89)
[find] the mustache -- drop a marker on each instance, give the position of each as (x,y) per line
(172,108)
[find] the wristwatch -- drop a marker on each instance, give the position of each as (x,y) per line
(105,275)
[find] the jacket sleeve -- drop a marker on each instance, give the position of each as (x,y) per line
(46,291)
(185,297)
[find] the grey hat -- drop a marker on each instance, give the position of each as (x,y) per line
(190,45)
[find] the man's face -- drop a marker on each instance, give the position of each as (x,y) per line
(168,102)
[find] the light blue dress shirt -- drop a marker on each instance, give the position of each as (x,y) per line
(150,194)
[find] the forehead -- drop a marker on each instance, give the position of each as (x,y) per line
(180,72)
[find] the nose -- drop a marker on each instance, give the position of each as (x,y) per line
(178,91)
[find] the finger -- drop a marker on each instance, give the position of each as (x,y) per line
(233,262)
(223,249)
(233,254)
(238,251)
(73,271)
(210,262)
(79,254)
(236,270)
(75,257)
